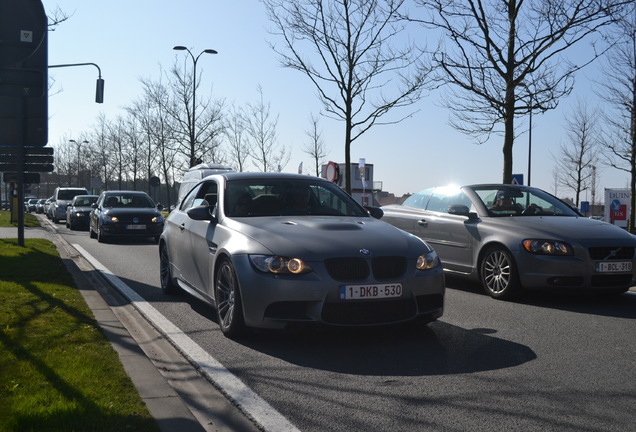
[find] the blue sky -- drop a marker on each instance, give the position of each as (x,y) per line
(130,40)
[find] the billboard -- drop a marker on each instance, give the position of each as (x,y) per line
(617,206)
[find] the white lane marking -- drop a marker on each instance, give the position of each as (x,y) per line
(248,402)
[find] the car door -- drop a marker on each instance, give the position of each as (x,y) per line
(406,215)
(188,239)
(450,235)
(176,232)
(201,238)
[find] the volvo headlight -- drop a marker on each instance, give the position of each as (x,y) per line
(280,265)
(547,247)
(427,261)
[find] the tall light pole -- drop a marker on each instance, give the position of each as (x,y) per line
(194,93)
(530,141)
(79,147)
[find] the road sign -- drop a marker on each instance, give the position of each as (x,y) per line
(517,179)
(27,150)
(28,159)
(12,177)
(11,167)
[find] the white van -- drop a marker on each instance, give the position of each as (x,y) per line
(62,197)
(195,174)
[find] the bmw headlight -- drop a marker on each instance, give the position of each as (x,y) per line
(158,218)
(427,261)
(113,219)
(547,247)
(280,265)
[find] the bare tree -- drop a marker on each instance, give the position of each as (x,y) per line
(356,59)
(507,58)
(65,162)
(577,164)
(118,149)
(238,145)
(160,133)
(316,146)
(144,111)
(618,89)
(100,142)
(261,131)
(56,17)
(201,140)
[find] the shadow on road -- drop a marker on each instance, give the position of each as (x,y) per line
(611,305)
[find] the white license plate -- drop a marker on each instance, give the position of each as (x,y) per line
(611,267)
(355,292)
(136,227)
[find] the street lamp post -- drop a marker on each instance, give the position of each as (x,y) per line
(79,147)
(530,141)
(194,92)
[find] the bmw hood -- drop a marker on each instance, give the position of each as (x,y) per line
(316,237)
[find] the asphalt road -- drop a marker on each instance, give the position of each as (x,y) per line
(546,363)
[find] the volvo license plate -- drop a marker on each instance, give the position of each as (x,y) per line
(614,267)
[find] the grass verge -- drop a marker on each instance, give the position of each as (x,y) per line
(29,220)
(57,370)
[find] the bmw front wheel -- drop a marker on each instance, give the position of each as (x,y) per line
(498,274)
(165,274)
(228,300)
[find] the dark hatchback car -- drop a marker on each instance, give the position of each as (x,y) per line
(79,210)
(125,214)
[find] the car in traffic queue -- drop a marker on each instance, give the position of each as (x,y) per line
(125,213)
(49,209)
(39,206)
(269,250)
(194,175)
(79,210)
(31,204)
(62,197)
(514,238)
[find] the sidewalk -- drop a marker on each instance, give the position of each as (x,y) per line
(177,396)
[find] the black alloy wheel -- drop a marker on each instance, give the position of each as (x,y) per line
(165,274)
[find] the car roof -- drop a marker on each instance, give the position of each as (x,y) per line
(236,175)
(113,192)
(498,186)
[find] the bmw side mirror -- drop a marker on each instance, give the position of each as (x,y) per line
(375,212)
(201,213)
(94,205)
(159,207)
